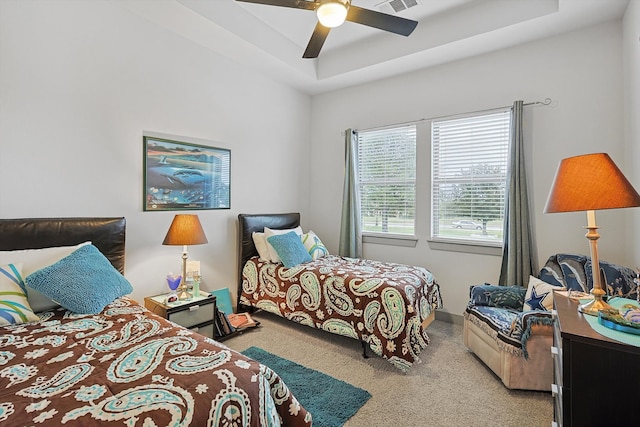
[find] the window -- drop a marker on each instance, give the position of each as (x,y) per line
(387,179)
(468,177)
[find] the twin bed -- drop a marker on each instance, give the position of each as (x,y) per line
(386,306)
(122,365)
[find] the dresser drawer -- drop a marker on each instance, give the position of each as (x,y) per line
(194,314)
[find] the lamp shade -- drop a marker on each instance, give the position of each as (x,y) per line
(185,230)
(590,182)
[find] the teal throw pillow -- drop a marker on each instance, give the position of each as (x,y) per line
(289,248)
(83,282)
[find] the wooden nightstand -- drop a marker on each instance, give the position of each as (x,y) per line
(198,314)
(595,376)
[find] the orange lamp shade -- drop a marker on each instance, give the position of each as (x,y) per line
(185,230)
(590,182)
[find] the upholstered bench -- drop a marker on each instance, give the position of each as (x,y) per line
(510,327)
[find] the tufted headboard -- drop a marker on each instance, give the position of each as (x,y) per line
(247,224)
(107,234)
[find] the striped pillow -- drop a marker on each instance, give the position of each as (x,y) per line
(313,245)
(14,307)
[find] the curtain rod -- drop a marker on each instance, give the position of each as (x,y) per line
(547,101)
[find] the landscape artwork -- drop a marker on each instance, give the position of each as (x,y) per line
(185,176)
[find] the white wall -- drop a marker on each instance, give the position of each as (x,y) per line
(631,49)
(582,73)
(81,81)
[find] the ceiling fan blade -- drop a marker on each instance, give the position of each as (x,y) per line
(318,37)
(382,21)
(296,4)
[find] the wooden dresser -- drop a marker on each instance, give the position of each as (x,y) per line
(596,379)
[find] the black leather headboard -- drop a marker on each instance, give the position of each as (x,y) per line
(107,234)
(247,224)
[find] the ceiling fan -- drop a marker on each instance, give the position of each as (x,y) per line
(332,13)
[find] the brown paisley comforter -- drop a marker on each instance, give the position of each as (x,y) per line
(382,304)
(128,367)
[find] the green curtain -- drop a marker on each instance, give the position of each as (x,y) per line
(518,254)
(350,226)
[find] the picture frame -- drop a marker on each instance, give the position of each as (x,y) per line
(185,176)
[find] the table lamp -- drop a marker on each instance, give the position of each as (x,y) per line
(588,183)
(185,230)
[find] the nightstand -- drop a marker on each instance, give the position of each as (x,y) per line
(596,378)
(198,314)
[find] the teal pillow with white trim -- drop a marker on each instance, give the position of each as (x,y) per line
(14,307)
(289,248)
(83,282)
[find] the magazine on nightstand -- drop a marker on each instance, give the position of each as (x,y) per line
(575,295)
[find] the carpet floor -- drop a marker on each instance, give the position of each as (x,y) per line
(451,387)
(331,401)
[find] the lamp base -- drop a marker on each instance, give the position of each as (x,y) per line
(183,290)
(184,294)
(592,308)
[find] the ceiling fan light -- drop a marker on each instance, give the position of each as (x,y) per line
(332,14)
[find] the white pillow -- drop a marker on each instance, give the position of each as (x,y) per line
(314,245)
(273,255)
(260,243)
(539,295)
(33,260)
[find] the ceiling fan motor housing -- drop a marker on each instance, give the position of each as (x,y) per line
(332,13)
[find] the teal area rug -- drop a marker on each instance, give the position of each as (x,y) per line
(331,401)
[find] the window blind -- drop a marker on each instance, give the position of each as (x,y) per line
(469,170)
(387,179)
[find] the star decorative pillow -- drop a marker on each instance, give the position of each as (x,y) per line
(539,295)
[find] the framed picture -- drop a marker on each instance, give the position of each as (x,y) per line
(185,176)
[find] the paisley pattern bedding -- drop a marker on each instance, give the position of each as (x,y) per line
(382,304)
(128,367)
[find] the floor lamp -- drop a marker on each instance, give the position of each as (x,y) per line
(588,183)
(185,230)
